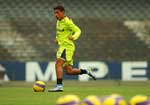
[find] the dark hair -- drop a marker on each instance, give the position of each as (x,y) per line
(59,7)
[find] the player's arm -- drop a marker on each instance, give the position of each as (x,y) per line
(56,38)
(76,31)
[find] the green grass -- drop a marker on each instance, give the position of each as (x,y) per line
(21,93)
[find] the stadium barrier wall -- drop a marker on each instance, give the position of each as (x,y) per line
(32,71)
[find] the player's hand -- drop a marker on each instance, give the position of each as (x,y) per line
(55,41)
(70,37)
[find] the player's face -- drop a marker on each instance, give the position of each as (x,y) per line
(59,14)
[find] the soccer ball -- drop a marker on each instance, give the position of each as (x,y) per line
(39,86)
(91,100)
(70,99)
(139,100)
(114,99)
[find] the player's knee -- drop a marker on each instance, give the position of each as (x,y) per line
(59,63)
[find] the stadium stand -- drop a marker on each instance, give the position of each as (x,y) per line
(27,29)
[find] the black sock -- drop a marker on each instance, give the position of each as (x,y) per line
(59,81)
(83,71)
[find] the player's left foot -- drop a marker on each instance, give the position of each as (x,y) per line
(90,74)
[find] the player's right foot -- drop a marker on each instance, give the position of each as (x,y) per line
(90,74)
(58,88)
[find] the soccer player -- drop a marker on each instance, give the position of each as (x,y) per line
(66,33)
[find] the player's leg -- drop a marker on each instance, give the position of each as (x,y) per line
(70,71)
(59,72)
(74,71)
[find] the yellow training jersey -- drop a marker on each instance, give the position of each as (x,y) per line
(65,28)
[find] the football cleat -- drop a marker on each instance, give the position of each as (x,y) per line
(58,88)
(90,74)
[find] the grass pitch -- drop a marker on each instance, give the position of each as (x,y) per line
(21,93)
